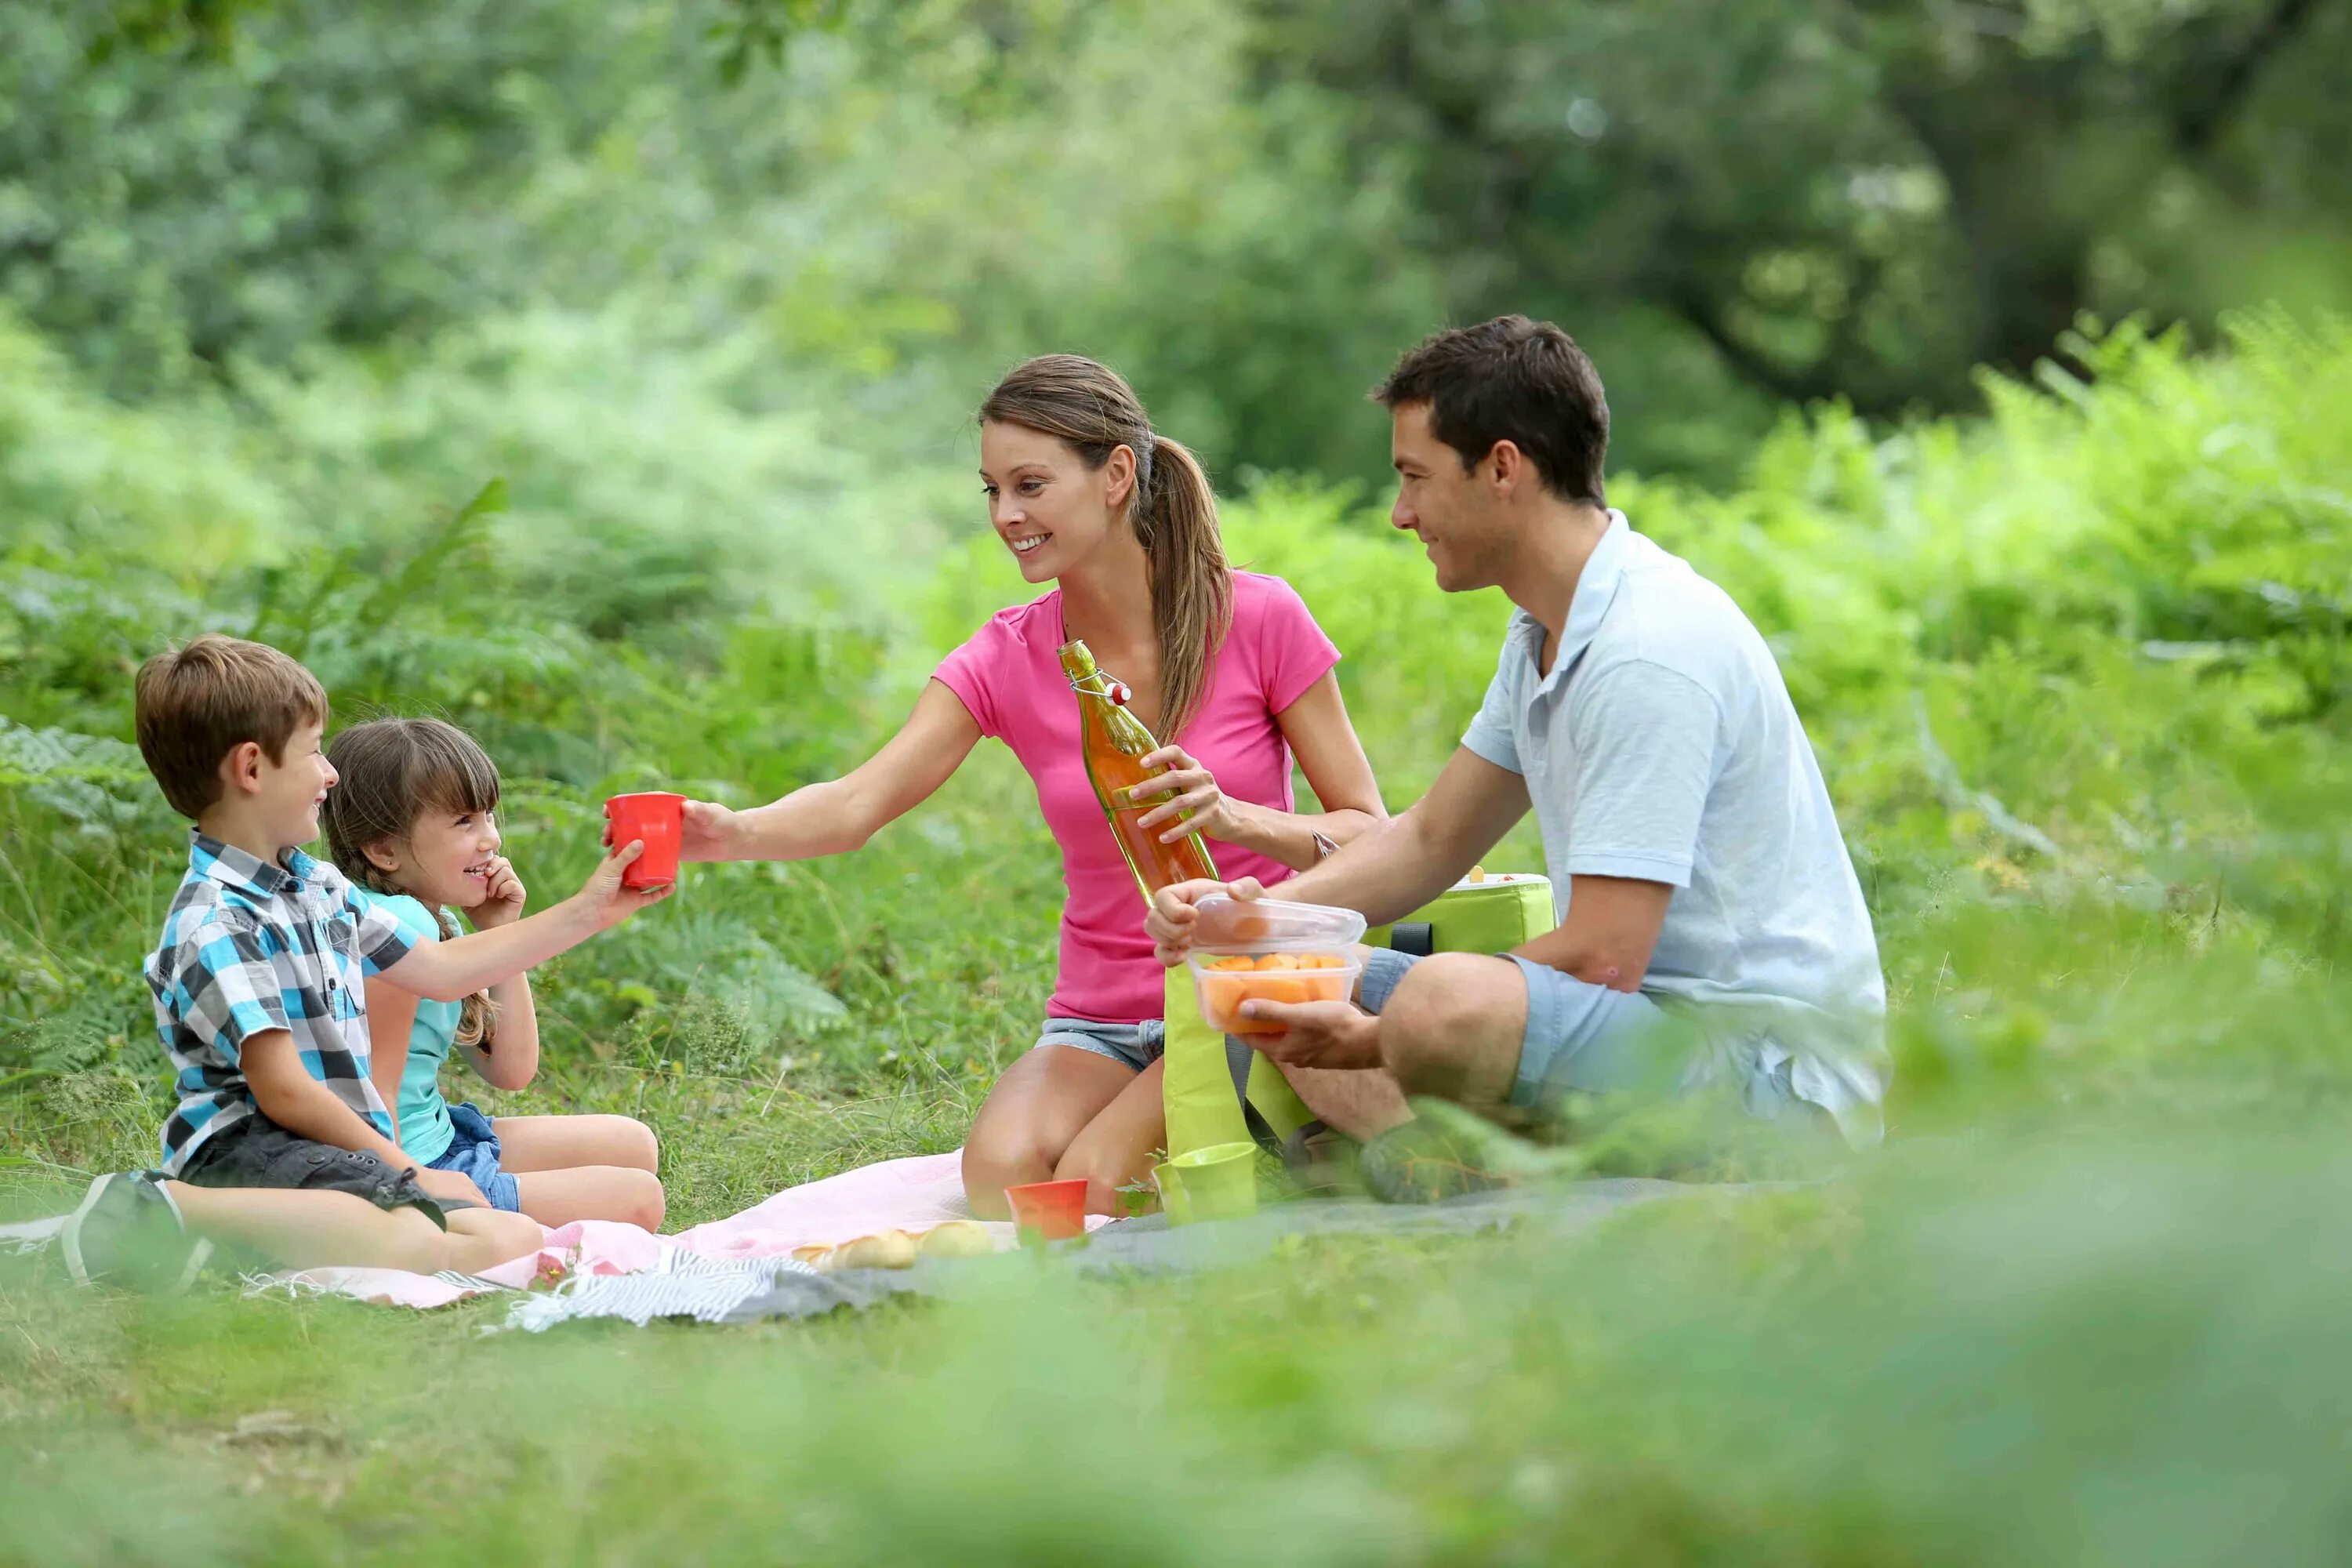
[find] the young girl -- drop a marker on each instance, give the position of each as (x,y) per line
(412,823)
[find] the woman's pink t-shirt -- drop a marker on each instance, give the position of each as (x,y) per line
(1010,676)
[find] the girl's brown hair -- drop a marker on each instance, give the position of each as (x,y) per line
(1172,511)
(392,772)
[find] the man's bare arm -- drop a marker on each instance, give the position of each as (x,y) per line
(1611,931)
(1402,864)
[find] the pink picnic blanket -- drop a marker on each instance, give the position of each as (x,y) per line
(912,1193)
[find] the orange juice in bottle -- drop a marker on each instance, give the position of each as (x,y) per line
(1114,743)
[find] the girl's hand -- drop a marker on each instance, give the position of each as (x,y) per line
(503,900)
(611,903)
(1195,789)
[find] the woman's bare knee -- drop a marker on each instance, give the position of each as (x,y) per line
(1103,1169)
(993,1162)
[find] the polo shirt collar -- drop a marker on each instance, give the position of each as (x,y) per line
(245,872)
(1596,588)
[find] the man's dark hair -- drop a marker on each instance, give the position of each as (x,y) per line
(1512,380)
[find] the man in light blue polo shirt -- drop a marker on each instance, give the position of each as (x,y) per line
(1701,874)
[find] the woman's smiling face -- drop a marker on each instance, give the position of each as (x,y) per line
(1050,509)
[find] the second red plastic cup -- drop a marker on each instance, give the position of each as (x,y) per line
(656,819)
(1049,1211)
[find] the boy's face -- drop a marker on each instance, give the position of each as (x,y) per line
(285,794)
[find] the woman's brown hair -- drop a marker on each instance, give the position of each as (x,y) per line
(1173,512)
(392,772)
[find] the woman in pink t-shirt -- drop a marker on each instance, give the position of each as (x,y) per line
(1226,666)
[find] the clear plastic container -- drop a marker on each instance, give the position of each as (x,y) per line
(1269,951)
(1229,925)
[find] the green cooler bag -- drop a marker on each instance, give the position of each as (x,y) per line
(1218,1090)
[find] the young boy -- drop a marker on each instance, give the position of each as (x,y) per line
(281,1143)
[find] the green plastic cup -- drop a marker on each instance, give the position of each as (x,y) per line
(1219,1182)
(1172,1201)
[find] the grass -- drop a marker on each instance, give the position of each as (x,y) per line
(2078,678)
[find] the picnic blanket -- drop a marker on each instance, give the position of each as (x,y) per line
(912,1193)
(739,1269)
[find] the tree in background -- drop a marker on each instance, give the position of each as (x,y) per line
(1863,199)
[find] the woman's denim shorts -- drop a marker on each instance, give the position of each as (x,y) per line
(1135,1044)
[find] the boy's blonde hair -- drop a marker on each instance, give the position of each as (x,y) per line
(197,702)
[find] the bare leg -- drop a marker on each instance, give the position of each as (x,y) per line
(482,1239)
(1363,1104)
(1032,1117)
(582,1167)
(620,1193)
(1452,1029)
(1114,1148)
(553,1142)
(331,1230)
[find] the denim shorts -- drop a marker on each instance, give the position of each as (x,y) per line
(1586,1039)
(473,1153)
(1580,1038)
(1135,1045)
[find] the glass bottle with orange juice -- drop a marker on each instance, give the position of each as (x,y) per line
(1114,742)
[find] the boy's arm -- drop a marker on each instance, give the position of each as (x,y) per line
(300,1103)
(452,971)
(303,1106)
(391,1015)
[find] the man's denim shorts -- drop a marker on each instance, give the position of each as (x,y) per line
(474,1154)
(1578,1038)
(1135,1044)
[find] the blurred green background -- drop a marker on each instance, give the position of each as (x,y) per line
(600,376)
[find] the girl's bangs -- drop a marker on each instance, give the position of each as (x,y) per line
(451,772)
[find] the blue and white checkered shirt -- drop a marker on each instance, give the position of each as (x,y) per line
(249,947)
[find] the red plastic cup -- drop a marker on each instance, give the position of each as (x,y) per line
(1049,1211)
(657,820)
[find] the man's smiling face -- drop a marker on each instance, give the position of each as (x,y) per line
(1451,510)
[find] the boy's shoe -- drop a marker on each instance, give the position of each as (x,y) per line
(1446,1152)
(128,1233)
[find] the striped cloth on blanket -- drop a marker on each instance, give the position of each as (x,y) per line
(682,1285)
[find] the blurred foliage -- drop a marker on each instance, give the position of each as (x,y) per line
(1247,205)
(1850,199)
(509,364)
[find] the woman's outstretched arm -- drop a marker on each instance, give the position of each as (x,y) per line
(840,814)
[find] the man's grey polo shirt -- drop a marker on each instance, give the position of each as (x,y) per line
(1663,746)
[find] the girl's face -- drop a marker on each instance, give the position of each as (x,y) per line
(447,857)
(1050,509)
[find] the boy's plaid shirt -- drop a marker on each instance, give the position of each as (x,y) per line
(249,947)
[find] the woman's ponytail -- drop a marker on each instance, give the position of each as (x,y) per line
(1192,586)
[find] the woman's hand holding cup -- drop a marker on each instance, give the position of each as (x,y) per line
(709,831)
